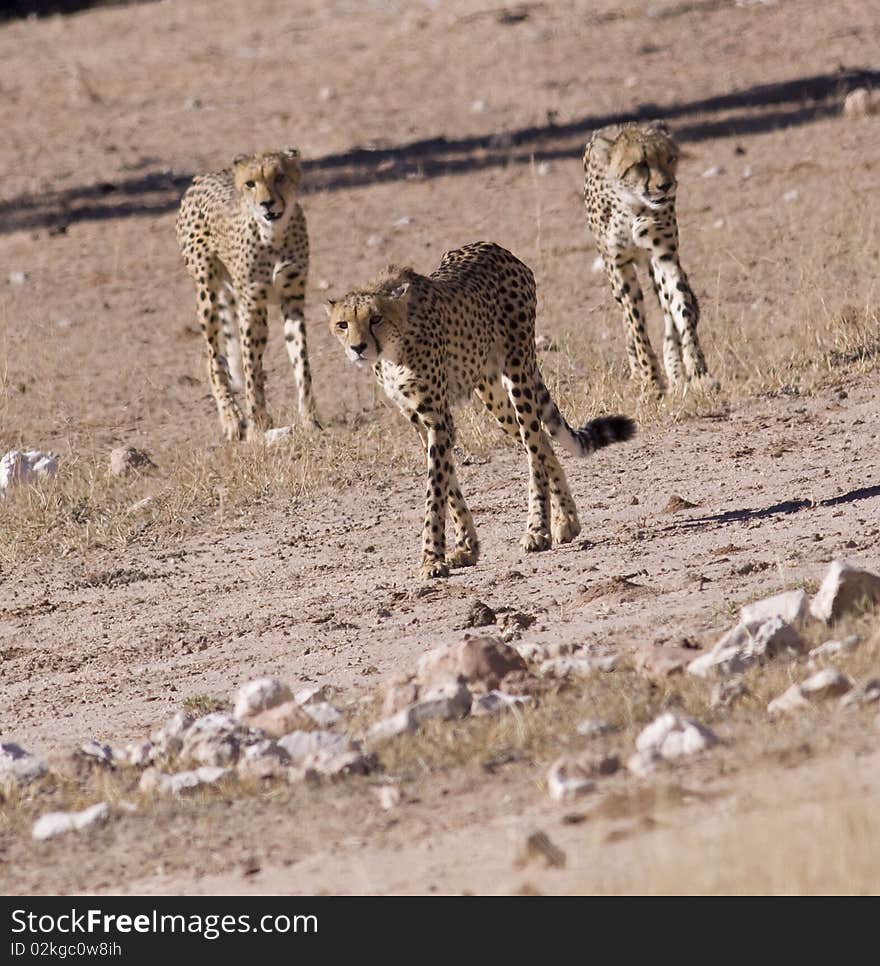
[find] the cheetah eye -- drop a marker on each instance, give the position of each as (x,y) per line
(249,184)
(376,320)
(342,326)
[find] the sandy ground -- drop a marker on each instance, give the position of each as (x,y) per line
(425,126)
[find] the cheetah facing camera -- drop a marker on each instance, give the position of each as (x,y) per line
(629,191)
(244,241)
(469,326)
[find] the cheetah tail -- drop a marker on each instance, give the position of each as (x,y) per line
(581,442)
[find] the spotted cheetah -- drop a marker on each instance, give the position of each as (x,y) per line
(432,341)
(244,241)
(629,192)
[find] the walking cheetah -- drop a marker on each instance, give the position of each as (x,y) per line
(469,326)
(244,241)
(629,191)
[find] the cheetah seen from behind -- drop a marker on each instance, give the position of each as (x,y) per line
(432,341)
(629,192)
(244,241)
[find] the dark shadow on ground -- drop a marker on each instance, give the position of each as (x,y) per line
(11,9)
(755,110)
(778,509)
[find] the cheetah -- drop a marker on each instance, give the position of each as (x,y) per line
(432,341)
(629,192)
(243,238)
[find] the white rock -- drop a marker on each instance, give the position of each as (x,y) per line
(773,638)
(57,823)
(403,221)
(714,171)
(595,727)
(335,763)
(543,169)
(566,782)
(643,764)
(18,278)
(125,460)
(322,713)
(494,701)
(18,767)
(97,752)
(790,700)
(835,648)
(861,102)
(139,753)
(558,668)
(215,739)
(259,695)
(845,590)
(318,692)
(790,606)
(673,736)
(866,693)
(745,645)
(155,781)
(401,723)
(28,467)
(827,683)
(792,195)
(278,434)
(375,240)
(389,796)
(265,759)
(446,701)
(326,94)
(167,741)
(598,265)
(479,107)
(300,744)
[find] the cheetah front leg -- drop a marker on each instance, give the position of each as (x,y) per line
(467,544)
(438,436)
(292,305)
(628,293)
(682,311)
(208,286)
(564,522)
(672,360)
(253,334)
(537,535)
(229,323)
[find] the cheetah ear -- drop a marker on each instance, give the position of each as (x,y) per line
(602,141)
(328,307)
(290,152)
(239,159)
(660,126)
(401,293)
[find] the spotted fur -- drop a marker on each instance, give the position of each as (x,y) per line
(432,341)
(243,238)
(629,191)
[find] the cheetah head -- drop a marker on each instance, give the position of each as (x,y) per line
(268,182)
(370,324)
(643,160)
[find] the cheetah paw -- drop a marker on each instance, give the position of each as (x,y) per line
(434,568)
(463,556)
(565,529)
(534,542)
(233,432)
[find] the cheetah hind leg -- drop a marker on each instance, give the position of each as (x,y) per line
(564,522)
